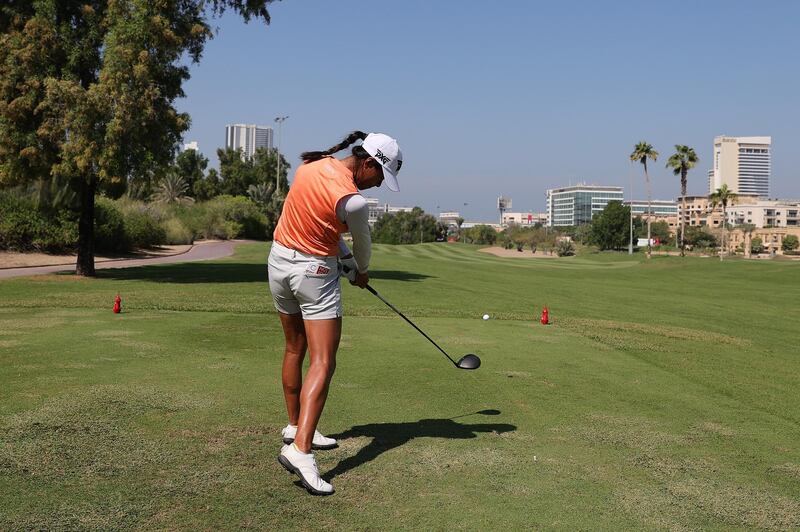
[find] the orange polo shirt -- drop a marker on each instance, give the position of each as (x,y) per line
(308,222)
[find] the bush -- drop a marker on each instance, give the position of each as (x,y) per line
(565,248)
(176,232)
(142,230)
(25,228)
(109,226)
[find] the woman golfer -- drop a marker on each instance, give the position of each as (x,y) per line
(304,268)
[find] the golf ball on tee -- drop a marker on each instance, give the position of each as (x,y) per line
(486,316)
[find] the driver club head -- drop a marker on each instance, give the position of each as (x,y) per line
(469,361)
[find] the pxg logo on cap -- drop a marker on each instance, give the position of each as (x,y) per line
(385,150)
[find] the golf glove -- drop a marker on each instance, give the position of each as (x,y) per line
(348,268)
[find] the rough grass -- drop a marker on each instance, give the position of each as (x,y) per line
(662,397)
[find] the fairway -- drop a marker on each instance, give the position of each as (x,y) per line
(663,396)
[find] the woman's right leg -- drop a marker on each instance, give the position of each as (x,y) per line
(323,342)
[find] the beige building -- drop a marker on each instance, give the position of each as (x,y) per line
(772,239)
(742,163)
(524,218)
(700,212)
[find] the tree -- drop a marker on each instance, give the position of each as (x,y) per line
(683,160)
(790,243)
(208,187)
(87,91)
(658,231)
(756,245)
(190,165)
(408,227)
(482,234)
(722,196)
(610,226)
(240,172)
(641,152)
(172,189)
(697,236)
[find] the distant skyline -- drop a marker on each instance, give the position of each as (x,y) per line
(514,98)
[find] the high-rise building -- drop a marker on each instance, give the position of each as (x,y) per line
(575,205)
(247,137)
(742,163)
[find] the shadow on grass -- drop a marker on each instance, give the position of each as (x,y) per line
(220,272)
(190,272)
(387,436)
(395,275)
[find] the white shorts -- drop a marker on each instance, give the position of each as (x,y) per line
(303,283)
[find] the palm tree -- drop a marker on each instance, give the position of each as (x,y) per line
(172,189)
(641,152)
(723,196)
(683,160)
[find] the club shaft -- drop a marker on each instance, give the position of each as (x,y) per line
(411,323)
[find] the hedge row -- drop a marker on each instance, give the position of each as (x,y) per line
(124,225)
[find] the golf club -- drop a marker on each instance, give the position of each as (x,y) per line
(468,361)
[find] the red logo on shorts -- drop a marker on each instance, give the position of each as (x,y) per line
(323,270)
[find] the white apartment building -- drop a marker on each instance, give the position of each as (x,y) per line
(248,137)
(765,213)
(376,209)
(576,205)
(743,163)
(191,146)
(524,218)
(450,219)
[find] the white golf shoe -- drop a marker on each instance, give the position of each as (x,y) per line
(305,467)
(318,442)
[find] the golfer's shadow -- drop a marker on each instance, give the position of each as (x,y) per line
(387,436)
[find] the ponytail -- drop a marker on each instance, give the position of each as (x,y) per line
(358,151)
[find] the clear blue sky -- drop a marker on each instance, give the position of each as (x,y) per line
(511,97)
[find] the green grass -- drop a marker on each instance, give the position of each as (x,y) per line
(664,396)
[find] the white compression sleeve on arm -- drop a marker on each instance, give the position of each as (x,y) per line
(353,211)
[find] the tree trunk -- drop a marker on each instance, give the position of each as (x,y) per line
(649,211)
(683,212)
(724,230)
(85,264)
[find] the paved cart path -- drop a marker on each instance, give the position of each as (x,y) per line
(201,251)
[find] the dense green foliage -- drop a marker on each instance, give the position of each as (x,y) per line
(756,245)
(658,231)
(408,227)
(611,227)
(87,92)
(480,234)
(125,225)
(700,237)
(26,227)
(790,243)
(645,409)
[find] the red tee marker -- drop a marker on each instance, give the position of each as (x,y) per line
(117,305)
(545,319)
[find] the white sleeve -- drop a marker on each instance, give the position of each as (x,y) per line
(353,211)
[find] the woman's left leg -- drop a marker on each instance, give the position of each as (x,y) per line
(292,373)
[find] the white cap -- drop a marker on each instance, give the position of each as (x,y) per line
(385,150)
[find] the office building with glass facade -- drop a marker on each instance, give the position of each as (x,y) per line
(576,205)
